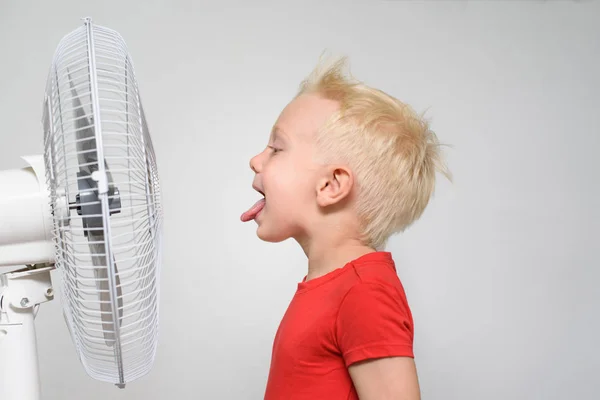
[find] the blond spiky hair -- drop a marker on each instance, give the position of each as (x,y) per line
(391,150)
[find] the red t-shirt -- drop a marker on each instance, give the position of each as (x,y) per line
(353,313)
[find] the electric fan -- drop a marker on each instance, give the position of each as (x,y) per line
(89,207)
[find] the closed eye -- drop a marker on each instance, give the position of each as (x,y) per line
(274,149)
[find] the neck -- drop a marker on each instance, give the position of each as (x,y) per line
(326,256)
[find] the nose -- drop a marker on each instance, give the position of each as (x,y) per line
(254,166)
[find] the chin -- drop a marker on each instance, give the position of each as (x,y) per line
(271,235)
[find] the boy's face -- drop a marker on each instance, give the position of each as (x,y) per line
(286,172)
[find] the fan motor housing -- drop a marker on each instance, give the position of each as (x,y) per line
(26,229)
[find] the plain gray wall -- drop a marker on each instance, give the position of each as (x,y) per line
(500,272)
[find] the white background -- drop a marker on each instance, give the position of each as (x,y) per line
(501,271)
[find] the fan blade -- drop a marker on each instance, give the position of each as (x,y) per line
(87,157)
(98,250)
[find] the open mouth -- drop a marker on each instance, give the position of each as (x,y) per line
(258,190)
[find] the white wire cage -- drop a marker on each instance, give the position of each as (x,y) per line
(105,201)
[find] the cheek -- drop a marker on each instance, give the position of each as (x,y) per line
(288,187)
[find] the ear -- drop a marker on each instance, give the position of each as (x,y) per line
(335,185)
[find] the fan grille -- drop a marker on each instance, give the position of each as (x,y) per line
(92,88)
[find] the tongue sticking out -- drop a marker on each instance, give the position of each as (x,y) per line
(253,212)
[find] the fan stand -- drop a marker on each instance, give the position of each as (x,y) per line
(21,293)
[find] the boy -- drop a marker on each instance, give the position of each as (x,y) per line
(346,167)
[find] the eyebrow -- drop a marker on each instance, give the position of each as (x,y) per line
(278,133)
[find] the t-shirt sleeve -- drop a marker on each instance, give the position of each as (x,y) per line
(374,321)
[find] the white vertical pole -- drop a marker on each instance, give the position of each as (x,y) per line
(19,371)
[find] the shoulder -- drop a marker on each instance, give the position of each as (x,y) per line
(374,318)
(375,302)
(374,321)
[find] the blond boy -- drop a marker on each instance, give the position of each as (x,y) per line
(346,167)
